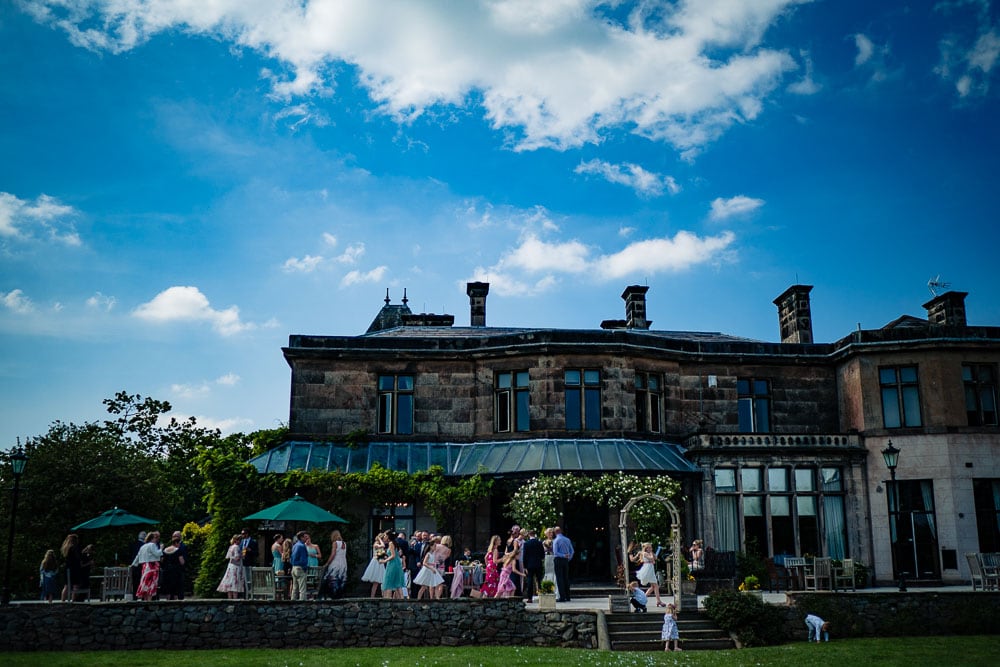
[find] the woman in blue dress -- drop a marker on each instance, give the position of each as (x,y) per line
(392,584)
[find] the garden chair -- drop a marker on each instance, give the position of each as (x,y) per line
(262,583)
(777,577)
(817,576)
(313,580)
(844,575)
(975,571)
(795,566)
(116,583)
(989,563)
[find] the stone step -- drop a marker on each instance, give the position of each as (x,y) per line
(687,645)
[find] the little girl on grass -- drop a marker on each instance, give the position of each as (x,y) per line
(669,632)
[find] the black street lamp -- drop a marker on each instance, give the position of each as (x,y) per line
(891,457)
(18,459)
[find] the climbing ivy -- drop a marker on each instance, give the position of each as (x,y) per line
(236,489)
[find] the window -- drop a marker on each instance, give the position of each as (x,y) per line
(583,400)
(754,398)
(900,398)
(980,394)
(800,511)
(511,401)
(648,402)
(395,404)
(987,496)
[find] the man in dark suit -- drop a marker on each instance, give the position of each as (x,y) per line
(533,558)
(416,556)
(248,547)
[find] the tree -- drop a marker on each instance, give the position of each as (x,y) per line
(75,472)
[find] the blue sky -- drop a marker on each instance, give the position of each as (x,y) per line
(183,185)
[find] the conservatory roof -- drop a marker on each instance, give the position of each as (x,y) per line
(514,457)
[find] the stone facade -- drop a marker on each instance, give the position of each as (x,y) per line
(358,623)
(797,425)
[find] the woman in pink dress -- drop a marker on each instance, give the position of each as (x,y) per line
(505,586)
(492,575)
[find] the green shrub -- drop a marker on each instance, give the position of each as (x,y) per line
(747,616)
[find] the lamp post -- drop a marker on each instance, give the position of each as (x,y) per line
(18,459)
(891,457)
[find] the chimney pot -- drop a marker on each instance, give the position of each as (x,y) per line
(947,309)
(795,314)
(477,303)
(635,307)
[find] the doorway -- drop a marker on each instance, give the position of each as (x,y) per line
(913,530)
(587,524)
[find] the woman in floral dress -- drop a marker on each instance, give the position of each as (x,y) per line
(233,582)
(492,576)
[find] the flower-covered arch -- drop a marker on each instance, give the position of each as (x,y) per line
(675,536)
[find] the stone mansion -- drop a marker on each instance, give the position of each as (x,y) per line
(777,444)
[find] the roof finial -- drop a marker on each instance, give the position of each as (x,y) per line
(404,296)
(387,296)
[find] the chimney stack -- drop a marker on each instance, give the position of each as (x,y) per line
(477,303)
(635,307)
(947,309)
(795,315)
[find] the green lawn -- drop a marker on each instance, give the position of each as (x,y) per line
(936,651)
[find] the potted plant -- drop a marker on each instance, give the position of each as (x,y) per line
(751,585)
(547,595)
(689,585)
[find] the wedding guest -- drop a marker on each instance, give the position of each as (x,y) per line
(533,561)
(394,581)
(492,571)
(172,568)
(48,576)
(375,572)
(148,559)
(232,583)
(300,566)
(276,549)
(73,557)
(335,573)
(562,550)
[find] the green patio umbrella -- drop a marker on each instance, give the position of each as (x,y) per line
(296,509)
(113,518)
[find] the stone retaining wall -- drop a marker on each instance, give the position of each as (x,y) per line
(896,614)
(196,624)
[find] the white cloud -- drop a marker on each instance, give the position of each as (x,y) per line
(226,426)
(23,219)
(553,74)
(723,209)
(228,380)
(16,301)
(329,239)
(351,254)
(806,85)
(188,304)
(644,182)
(865,49)
(307,264)
(102,302)
(536,265)
(204,388)
(355,277)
